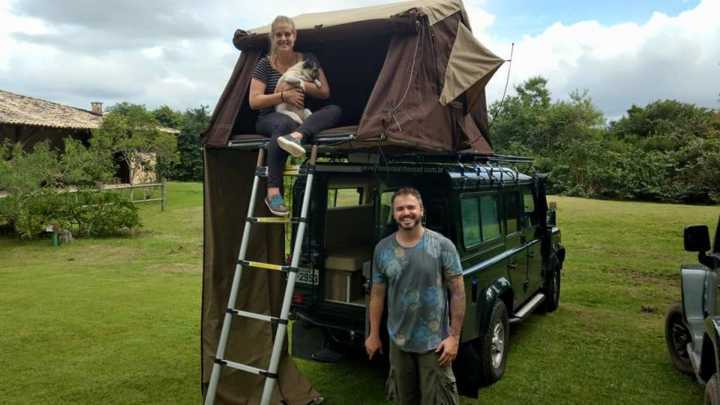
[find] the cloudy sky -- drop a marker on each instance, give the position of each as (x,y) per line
(179,52)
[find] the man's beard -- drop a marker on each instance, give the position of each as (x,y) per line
(415,223)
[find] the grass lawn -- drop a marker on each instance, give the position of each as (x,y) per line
(116,321)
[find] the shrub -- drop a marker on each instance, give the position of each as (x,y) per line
(102,214)
(86,213)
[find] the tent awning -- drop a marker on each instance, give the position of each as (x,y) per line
(470,64)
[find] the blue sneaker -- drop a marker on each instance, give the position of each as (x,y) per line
(276,205)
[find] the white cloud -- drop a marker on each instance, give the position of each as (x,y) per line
(156,52)
(674,57)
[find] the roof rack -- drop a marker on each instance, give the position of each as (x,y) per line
(467,157)
(371,153)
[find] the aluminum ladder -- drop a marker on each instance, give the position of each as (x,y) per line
(282,322)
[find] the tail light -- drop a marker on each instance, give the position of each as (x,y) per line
(298,298)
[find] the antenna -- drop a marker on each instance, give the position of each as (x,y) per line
(507,82)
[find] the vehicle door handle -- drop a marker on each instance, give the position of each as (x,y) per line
(512,266)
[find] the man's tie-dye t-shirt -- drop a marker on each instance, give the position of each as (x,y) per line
(417,280)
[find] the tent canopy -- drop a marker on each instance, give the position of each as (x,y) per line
(408,75)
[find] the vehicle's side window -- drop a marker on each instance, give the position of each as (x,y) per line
(436,214)
(489,217)
(470,211)
(528,209)
(386,206)
(512,211)
(480,221)
(344,197)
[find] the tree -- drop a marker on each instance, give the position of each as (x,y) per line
(521,119)
(86,166)
(135,134)
(195,122)
(668,121)
(167,117)
(683,136)
(24,172)
(546,128)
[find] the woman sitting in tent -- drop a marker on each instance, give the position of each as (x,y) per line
(286,134)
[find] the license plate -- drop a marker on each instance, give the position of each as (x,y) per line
(308,276)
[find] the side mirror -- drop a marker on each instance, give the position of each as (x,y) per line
(697,238)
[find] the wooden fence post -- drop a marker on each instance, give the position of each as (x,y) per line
(163,194)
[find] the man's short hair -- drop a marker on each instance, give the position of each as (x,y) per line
(406,191)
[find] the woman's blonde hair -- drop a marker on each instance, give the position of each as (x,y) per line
(281,19)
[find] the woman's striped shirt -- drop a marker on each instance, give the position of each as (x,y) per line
(266,73)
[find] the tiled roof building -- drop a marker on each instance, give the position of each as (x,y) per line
(23,110)
(29,121)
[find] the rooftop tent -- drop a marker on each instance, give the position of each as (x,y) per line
(409,76)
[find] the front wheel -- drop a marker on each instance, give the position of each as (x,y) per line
(494,345)
(711,391)
(677,337)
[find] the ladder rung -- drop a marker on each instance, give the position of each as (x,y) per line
(260,317)
(275,220)
(266,266)
(287,171)
(293,170)
(246,368)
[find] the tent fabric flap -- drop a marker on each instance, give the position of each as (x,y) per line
(228,178)
(470,64)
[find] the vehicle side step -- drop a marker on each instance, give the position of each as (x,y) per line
(528,308)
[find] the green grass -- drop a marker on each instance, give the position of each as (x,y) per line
(116,320)
(111,320)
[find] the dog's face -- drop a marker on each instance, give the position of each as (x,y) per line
(312,70)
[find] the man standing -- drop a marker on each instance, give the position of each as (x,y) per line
(417,267)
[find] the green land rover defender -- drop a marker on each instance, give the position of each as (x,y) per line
(497,217)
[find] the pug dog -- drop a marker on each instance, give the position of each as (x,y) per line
(296,76)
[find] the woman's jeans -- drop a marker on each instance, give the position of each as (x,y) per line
(275,125)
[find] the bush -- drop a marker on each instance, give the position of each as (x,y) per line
(103,214)
(85,213)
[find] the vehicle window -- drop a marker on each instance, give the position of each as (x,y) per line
(436,215)
(528,203)
(386,206)
(470,210)
(344,197)
(528,209)
(489,217)
(512,211)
